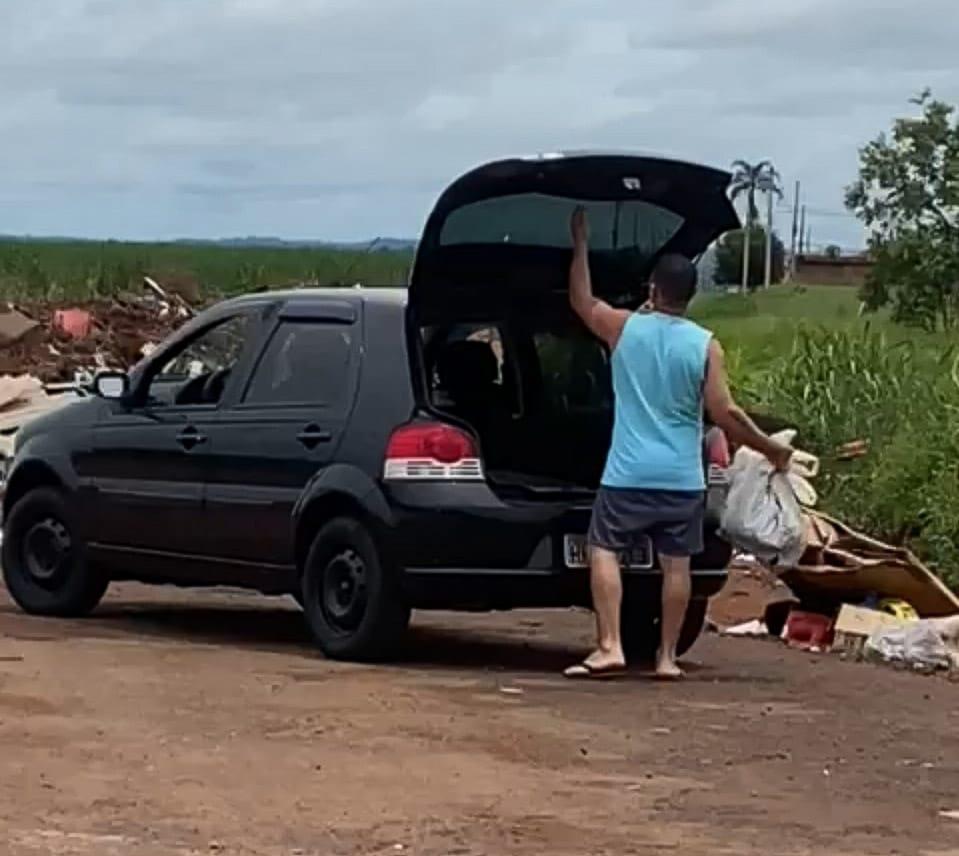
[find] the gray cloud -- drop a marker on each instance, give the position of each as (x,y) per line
(344,118)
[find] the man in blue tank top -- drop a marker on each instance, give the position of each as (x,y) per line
(666,370)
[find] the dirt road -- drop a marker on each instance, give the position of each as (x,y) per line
(185,723)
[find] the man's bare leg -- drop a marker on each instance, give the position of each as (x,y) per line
(676,589)
(606,583)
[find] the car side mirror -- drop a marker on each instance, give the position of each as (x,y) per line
(113,386)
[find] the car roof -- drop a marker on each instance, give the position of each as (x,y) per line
(391,296)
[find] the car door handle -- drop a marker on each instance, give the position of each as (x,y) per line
(190,438)
(312,435)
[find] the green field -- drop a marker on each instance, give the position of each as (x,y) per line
(807,355)
(77,270)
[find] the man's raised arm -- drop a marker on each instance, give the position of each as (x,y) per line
(602,319)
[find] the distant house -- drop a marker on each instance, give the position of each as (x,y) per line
(828,270)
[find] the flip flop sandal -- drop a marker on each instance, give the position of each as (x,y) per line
(587,672)
(666,679)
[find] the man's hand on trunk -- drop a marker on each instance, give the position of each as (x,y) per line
(579,227)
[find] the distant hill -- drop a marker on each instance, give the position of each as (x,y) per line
(372,245)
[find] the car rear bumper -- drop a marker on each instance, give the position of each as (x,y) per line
(460,542)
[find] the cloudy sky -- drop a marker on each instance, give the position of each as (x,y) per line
(342,119)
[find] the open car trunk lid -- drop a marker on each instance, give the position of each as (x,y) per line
(498,237)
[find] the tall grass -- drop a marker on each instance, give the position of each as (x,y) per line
(809,358)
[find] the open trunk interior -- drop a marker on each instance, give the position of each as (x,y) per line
(537,394)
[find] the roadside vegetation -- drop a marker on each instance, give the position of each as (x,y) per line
(809,356)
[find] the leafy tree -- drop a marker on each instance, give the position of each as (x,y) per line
(750,179)
(833,251)
(729,258)
(907,194)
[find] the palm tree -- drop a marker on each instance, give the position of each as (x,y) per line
(750,179)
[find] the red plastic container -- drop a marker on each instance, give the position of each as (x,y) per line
(809,630)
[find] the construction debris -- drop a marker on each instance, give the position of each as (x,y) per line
(49,353)
(24,398)
(14,326)
(75,323)
(65,339)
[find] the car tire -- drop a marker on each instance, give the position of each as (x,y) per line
(352,600)
(45,563)
(641,629)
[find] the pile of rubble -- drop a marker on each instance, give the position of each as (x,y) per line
(50,352)
(54,342)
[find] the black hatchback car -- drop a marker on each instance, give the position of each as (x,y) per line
(372,451)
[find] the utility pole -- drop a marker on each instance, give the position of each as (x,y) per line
(802,229)
(809,239)
(769,238)
(795,234)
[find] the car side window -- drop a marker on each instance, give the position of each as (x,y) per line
(304,363)
(197,373)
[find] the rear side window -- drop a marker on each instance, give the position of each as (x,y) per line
(304,363)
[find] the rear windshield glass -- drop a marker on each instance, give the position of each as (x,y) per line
(538,220)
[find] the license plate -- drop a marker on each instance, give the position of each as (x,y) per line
(576,553)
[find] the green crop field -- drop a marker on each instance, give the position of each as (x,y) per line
(807,355)
(77,270)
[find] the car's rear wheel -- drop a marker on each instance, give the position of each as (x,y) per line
(352,601)
(640,627)
(45,565)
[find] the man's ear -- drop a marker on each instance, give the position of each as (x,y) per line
(652,292)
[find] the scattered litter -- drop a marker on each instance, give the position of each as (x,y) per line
(169,300)
(808,631)
(949,815)
(855,624)
(75,323)
(661,731)
(851,451)
(748,628)
(845,566)
(511,691)
(920,644)
(898,608)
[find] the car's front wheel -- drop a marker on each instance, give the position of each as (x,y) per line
(45,566)
(640,627)
(352,601)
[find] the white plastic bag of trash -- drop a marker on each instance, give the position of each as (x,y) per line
(932,643)
(763,511)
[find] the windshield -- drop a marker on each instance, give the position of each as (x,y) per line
(539,220)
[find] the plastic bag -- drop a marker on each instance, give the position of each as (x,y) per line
(919,644)
(763,511)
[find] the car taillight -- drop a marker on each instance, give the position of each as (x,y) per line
(432,451)
(717,456)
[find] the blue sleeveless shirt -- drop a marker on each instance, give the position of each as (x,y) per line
(659,368)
